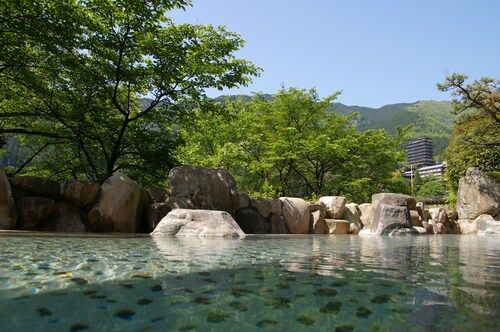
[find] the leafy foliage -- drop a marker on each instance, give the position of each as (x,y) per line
(72,74)
(431,188)
(290,146)
(475,140)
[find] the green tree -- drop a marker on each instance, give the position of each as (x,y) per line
(290,146)
(432,188)
(74,76)
(475,140)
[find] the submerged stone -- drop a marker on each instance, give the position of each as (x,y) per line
(330,292)
(125,314)
(363,312)
(241,306)
(332,307)
(265,322)
(381,298)
(44,312)
(279,302)
(217,316)
(305,320)
(78,327)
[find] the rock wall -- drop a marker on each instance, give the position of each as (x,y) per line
(121,205)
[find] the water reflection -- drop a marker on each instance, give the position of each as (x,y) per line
(437,277)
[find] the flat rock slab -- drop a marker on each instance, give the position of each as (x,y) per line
(203,223)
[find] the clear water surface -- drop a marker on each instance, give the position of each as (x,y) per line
(266,283)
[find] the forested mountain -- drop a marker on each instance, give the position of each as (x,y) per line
(430,118)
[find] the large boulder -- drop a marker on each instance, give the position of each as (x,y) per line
(37,186)
(157,195)
(467,226)
(352,215)
(295,212)
(337,226)
(35,212)
(121,207)
(392,211)
(278,225)
(394,199)
(80,193)
(156,212)
(478,194)
(204,188)
(66,218)
(245,201)
(251,222)
(263,206)
(318,214)
(367,214)
(487,225)
(8,215)
(335,206)
(389,217)
(204,223)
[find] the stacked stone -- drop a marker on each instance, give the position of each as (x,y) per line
(31,203)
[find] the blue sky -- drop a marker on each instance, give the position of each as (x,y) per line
(377,52)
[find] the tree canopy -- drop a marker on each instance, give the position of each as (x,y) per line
(475,140)
(74,75)
(290,146)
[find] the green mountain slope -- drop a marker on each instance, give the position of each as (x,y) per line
(428,117)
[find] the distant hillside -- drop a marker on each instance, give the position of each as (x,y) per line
(429,118)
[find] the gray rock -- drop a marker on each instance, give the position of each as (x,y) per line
(337,226)
(478,194)
(420,230)
(35,211)
(394,199)
(8,215)
(179,203)
(439,215)
(251,222)
(389,217)
(37,186)
(352,214)
(121,207)
(66,218)
(335,206)
(204,223)
(156,212)
(486,224)
(295,212)
(205,188)
(157,195)
(262,205)
(467,226)
(245,201)
(404,231)
(80,193)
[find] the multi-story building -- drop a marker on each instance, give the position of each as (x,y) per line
(436,170)
(419,152)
